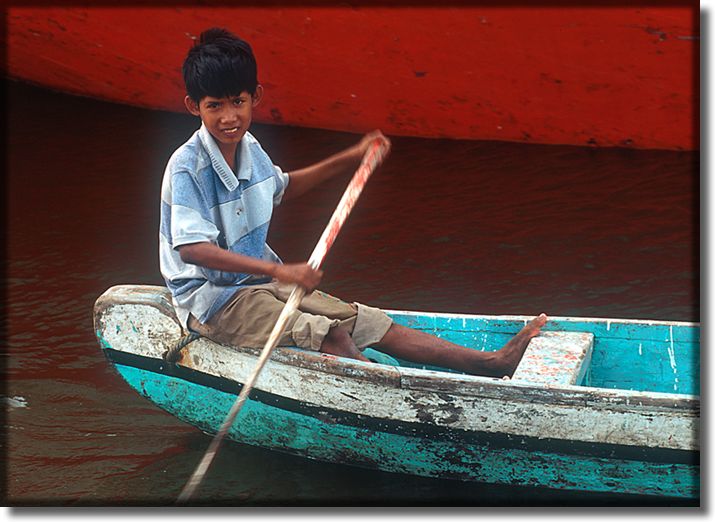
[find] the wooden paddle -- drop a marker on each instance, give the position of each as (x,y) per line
(373,157)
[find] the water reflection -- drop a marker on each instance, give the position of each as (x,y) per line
(448,226)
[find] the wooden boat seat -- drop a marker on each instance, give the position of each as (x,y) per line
(556,358)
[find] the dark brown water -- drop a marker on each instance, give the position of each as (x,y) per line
(451,226)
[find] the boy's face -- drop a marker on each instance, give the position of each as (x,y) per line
(227,119)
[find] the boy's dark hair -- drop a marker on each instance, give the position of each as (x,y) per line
(220,64)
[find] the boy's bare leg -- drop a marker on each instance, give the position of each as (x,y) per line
(424,348)
(338,342)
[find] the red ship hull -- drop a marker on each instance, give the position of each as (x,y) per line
(609,75)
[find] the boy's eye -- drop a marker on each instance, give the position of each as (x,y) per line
(238,101)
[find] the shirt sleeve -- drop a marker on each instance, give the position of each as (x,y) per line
(282,180)
(191,220)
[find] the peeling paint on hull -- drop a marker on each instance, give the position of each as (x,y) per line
(420,421)
(274,428)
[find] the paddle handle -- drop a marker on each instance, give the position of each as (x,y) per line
(369,163)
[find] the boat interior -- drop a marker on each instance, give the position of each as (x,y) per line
(600,353)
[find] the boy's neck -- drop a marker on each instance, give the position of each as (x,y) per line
(228,151)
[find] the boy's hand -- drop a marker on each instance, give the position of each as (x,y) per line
(301,274)
(369,138)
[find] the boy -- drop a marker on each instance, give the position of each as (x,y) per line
(218,193)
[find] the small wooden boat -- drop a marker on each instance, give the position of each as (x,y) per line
(601,405)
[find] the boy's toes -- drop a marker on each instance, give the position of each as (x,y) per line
(534,326)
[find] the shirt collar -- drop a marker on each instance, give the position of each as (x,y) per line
(225,174)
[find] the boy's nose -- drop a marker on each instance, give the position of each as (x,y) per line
(229,116)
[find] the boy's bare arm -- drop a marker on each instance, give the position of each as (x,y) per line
(214,257)
(302,180)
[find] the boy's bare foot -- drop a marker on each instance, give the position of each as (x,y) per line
(512,352)
(534,326)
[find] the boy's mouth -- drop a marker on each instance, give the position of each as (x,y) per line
(230,132)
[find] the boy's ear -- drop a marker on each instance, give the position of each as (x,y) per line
(258,95)
(191,106)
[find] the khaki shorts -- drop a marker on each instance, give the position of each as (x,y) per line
(248,318)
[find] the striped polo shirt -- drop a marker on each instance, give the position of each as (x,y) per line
(202,200)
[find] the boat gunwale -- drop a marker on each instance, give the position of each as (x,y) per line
(479,386)
(423,379)
(412,428)
(466,386)
(571,318)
